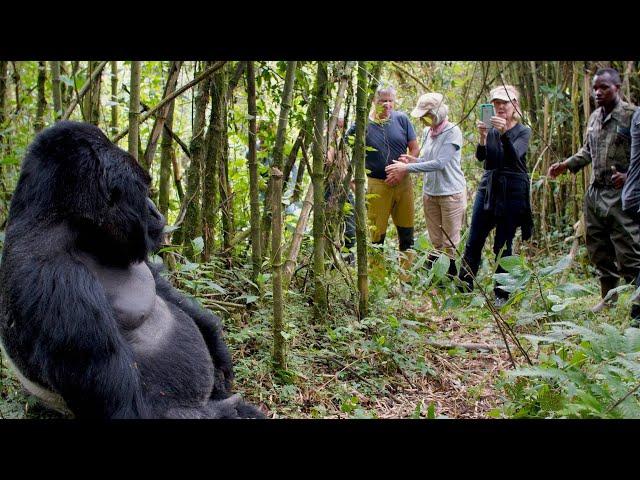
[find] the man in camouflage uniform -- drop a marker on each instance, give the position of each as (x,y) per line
(613,236)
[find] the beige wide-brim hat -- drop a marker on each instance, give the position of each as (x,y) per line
(506,93)
(428,101)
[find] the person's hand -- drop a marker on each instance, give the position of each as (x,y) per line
(557,168)
(395,177)
(482,130)
(396,167)
(406,158)
(499,123)
(618,178)
(352,184)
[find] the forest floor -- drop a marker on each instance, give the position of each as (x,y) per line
(424,351)
(464,383)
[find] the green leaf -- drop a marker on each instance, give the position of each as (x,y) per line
(187,266)
(251,299)
(511,263)
(198,245)
(441,266)
(558,307)
(215,286)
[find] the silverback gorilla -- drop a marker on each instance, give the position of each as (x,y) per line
(88,323)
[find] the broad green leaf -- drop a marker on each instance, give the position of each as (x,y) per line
(511,263)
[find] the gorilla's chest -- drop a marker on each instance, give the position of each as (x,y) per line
(142,316)
(169,349)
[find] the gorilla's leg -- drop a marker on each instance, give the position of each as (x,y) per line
(232,407)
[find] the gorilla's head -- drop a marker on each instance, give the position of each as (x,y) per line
(74,173)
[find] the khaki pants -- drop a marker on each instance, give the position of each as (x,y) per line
(396,201)
(447,211)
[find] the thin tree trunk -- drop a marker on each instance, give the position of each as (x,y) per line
(626,85)
(256,251)
(16,85)
(317,176)
(279,343)
(134,109)
(361,210)
(226,193)
(233,81)
(293,155)
(575,135)
(298,235)
(177,177)
(170,87)
(279,360)
(91,101)
(38,124)
(586,93)
(534,78)
(215,141)
(56,93)
(114,98)
(4,68)
(192,225)
(297,190)
(167,155)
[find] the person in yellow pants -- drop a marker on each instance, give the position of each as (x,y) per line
(389,135)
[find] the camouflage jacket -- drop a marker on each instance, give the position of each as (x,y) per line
(607,144)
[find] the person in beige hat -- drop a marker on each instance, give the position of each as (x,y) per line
(502,199)
(444,190)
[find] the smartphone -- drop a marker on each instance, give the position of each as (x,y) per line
(486,112)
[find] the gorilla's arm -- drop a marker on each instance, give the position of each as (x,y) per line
(70,330)
(209,325)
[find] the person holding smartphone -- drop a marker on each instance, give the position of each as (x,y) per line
(444,190)
(502,200)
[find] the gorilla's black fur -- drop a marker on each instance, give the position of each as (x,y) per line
(71,321)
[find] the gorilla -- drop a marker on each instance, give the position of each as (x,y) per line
(87,322)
